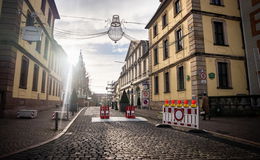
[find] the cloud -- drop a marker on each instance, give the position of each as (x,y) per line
(100,53)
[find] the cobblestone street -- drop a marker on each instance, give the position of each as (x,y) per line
(134,140)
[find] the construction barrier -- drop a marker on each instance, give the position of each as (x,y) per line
(104,112)
(130,112)
(183,114)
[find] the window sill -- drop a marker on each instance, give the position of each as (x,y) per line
(165,58)
(156,93)
(22,87)
(179,50)
(167,92)
(224,45)
(34,90)
(155,64)
(181,90)
(176,14)
(164,26)
(225,88)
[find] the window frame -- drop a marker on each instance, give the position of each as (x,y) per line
(49,19)
(175,6)
(224,28)
(156,60)
(155,30)
(167,81)
(164,20)
(43,6)
(36,69)
(165,49)
(24,73)
(213,2)
(43,87)
(46,48)
(181,87)
(29,19)
(156,85)
(229,78)
(38,47)
(179,40)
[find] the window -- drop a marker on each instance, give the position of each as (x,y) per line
(46,48)
(35,78)
(43,5)
(43,81)
(50,85)
(38,46)
(177,7)
(53,88)
(155,54)
(140,69)
(166,82)
(180,75)
(156,85)
(135,71)
(179,42)
(164,20)
(144,67)
(1,4)
(49,17)
(155,31)
(24,72)
(165,49)
(216,2)
(223,76)
(29,19)
(219,33)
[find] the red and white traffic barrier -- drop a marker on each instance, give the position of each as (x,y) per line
(130,112)
(183,114)
(104,112)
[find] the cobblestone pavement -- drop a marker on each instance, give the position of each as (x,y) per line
(16,134)
(134,140)
(241,127)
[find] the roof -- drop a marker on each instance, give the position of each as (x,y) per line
(160,9)
(54,9)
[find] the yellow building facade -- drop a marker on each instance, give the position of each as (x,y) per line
(196,47)
(30,71)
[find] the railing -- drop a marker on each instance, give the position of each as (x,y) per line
(234,105)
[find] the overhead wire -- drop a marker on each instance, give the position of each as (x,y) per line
(77,17)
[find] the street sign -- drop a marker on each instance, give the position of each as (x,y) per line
(145,102)
(145,94)
(203,75)
(179,114)
(32,33)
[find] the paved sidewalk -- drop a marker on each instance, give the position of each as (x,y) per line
(17,134)
(241,127)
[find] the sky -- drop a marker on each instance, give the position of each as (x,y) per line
(100,53)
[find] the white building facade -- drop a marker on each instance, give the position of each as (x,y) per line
(134,78)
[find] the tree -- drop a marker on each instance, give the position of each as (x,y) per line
(124,102)
(73,101)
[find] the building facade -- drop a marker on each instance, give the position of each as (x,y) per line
(134,78)
(30,71)
(250,14)
(196,47)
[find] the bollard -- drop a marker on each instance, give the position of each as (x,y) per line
(56,121)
